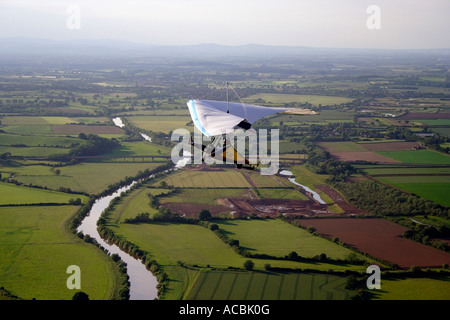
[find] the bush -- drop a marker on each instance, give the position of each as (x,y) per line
(249,264)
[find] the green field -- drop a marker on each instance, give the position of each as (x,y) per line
(36,248)
(417,156)
(341,146)
(204,196)
(434,188)
(263,237)
(35,140)
(280,193)
(404,171)
(89,177)
(141,148)
(324,117)
(229,285)
(33,151)
(208,179)
(162,123)
(136,202)
(11,194)
(419,288)
(277,98)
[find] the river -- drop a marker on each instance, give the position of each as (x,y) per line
(142,282)
(315,195)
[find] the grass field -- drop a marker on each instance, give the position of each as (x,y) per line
(208,179)
(162,123)
(341,146)
(263,237)
(414,289)
(276,98)
(36,248)
(228,285)
(136,202)
(204,196)
(89,177)
(33,151)
(35,140)
(280,193)
(11,194)
(325,116)
(404,171)
(417,156)
(434,188)
(141,148)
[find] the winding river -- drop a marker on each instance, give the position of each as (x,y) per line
(142,282)
(315,195)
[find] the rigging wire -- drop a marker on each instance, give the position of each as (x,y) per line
(243,104)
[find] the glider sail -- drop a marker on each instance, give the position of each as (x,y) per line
(215,118)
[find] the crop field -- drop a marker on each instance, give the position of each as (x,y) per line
(89,177)
(375,171)
(228,285)
(434,188)
(390,146)
(208,179)
(162,123)
(11,194)
(36,249)
(28,129)
(262,237)
(418,288)
(203,196)
(380,239)
(325,116)
(280,193)
(33,151)
(37,141)
(276,98)
(141,148)
(65,129)
(334,147)
(417,156)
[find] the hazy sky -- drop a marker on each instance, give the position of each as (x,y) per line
(405,24)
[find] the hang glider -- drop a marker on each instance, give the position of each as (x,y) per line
(220,118)
(215,118)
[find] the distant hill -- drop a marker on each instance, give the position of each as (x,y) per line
(34,46)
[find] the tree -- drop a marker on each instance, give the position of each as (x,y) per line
(204,215)
(80,295)
(249,264)
(57,171)
(292,255)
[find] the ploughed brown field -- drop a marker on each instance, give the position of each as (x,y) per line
(379,238)
(420,115)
